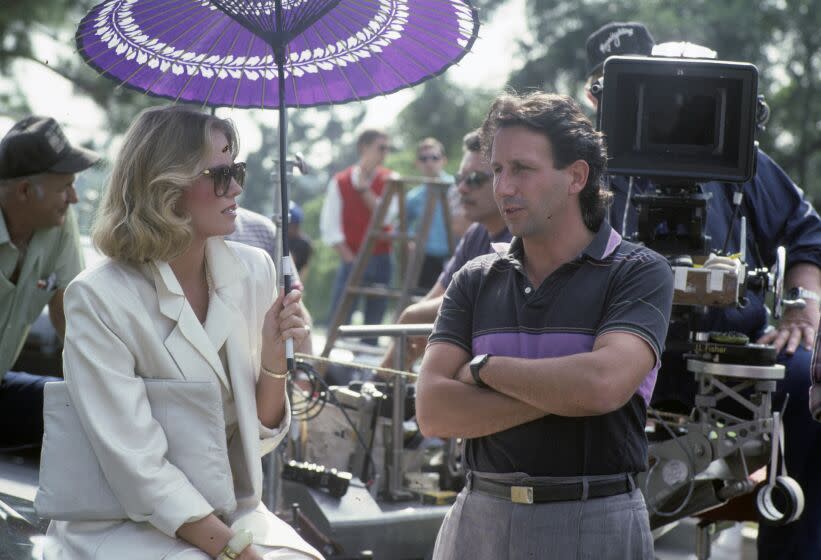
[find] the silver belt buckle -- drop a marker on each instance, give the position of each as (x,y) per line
(521,494)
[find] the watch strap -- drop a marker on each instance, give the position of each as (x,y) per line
(475,369)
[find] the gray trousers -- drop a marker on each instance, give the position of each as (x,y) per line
(484,527)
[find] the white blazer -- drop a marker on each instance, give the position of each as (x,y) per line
(125,323)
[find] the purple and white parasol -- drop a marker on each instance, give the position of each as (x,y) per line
(222,53)
(275,53)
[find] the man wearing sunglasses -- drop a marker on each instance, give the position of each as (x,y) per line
(430,161)
(352,197)
(475,188)
(39,255)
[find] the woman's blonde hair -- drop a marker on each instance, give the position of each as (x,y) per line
(162,154)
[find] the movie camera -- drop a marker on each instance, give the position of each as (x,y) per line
(676,124)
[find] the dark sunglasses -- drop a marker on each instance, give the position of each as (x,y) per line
(222,175)
(473,180)
(423,159)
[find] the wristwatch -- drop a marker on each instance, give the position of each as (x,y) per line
(803,293)
(475,365)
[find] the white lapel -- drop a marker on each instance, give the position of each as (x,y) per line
(228,273)
(188,343)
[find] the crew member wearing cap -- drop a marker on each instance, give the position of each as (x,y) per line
(614,39)
(777,214)
(39,255)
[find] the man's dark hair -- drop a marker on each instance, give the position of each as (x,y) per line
(368,137)
(472,142)
(572,137)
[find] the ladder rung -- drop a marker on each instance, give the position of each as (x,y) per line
(382,292)
(359,348)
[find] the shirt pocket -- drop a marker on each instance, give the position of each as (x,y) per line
(37,302)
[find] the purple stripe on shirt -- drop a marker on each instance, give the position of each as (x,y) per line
(612,243)
(527,345)
(548,345)
(645,390)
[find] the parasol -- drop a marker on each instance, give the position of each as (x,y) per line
(275,54)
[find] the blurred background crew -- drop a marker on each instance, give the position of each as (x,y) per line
(351,198)
(430,161)
(300,245)
(39,255)
(475,187)
(254,229)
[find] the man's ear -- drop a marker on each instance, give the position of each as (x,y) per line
(578,172)
(22,190)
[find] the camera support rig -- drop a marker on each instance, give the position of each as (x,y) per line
(680,123)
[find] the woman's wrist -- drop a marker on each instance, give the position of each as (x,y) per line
(278,374)
(209,534)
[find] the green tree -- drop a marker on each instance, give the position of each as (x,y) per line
(781,38)
(444,111)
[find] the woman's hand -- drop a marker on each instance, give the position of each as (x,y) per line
(285,319)
(250,553)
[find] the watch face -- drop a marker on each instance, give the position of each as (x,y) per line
(478,361)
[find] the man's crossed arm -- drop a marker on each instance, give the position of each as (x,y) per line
(449,404)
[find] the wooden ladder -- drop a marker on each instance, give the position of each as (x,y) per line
(409,268)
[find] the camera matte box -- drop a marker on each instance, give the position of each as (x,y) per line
(678,119)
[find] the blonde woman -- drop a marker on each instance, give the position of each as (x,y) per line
(174,301)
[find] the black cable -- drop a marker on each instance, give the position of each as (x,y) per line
(316,400)
(327,393)
(736,212)
(377,412)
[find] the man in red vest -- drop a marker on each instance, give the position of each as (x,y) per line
(352,196)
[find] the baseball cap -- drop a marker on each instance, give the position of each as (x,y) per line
(617,38)
(38,145)
(295,214)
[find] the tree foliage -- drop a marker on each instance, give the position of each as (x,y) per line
(780,37)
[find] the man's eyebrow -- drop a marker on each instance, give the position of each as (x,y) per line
(226,148)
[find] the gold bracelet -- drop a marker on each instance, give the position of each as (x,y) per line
(270,373)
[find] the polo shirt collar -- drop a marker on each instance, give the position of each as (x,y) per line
(604,242)
(603,245)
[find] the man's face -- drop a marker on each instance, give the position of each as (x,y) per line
(531,194)
(475,188)
(49,196)
(373,154)
(430,161)
(591,99)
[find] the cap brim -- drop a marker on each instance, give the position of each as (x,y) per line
(75,160)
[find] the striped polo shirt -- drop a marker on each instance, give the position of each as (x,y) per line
(490,307)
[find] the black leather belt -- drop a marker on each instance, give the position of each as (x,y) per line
(572,491)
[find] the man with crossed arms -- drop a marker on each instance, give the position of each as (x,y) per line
(544,355)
